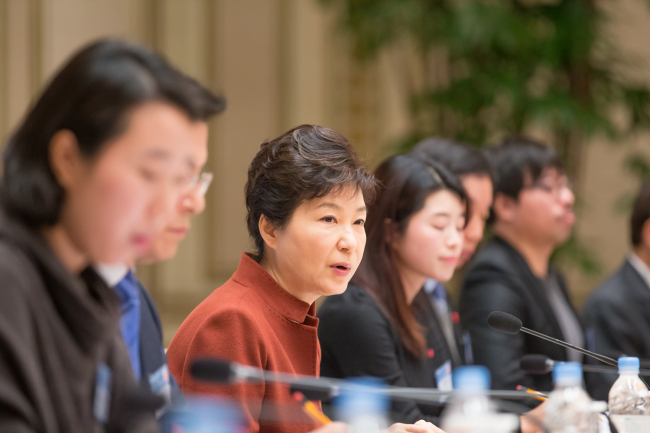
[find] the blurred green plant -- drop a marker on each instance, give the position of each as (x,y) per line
(507,65)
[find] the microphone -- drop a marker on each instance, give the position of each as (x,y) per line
(315,388)
(537,364)
(541,364)
(221,371)
(504,322)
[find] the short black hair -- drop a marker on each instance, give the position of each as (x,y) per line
(640,213)
(459,158)
(302,164)
(91,96)
(518,159)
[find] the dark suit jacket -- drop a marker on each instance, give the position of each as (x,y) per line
(499,279)
(618,314)
(358,339)
(152,352)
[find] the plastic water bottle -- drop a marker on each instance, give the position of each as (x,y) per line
(362,407)
(204,414)
(629,405)
(569,408)
(470,410)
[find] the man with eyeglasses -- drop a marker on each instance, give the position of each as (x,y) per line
(532,214)
(140,324)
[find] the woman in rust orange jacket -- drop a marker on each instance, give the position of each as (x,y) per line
(306,201)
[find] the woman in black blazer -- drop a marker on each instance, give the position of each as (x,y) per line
(378,327)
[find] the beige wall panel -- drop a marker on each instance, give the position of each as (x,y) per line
(602,225)
(248,68)
(69,24)
(3,74)
(306,28)
(21,60)
(183,35)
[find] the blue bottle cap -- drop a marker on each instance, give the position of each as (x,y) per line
(472,378)
(628,364)
(567,373)
(361,396)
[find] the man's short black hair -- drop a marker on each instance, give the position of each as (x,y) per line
(640,213)
(518,162)
(459,158)
(91,96)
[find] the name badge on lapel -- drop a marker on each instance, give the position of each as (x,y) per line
(102,402)
(160,385)
(443,377)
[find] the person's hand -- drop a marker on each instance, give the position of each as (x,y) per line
(528,425)
(334,427)
(419,427)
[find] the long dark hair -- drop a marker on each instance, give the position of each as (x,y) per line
(91,96)
(407,182)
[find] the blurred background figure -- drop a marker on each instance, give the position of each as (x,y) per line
(415,230)
(140,324)
(91,175)
(474,171)
(532,216)
(617,312)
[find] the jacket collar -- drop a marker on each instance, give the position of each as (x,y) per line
(250,274)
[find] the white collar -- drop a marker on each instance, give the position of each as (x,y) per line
(641,267)
(112,274)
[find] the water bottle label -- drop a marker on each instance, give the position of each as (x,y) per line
(631,423)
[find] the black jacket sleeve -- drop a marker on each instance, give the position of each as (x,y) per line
(358,340)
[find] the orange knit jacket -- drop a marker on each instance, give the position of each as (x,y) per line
(252,320)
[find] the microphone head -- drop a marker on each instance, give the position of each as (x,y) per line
(213,370)
(536,364)
(504,322)
(313,388)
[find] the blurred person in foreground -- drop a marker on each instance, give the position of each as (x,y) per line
(92,175)
(376,328)
(306,200)
(618,312)
(471,166)
(140,324)
(532,214)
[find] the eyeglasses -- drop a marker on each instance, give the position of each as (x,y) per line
(202,181)
(553,187)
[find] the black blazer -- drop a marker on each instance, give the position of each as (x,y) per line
(357,339)
(152,351)
(499,279)
(617,317)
